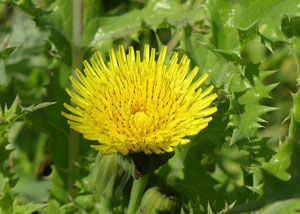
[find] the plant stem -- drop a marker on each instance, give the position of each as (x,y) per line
(174,41)
(136,194)
(73,140)
(76,39)
(294,129)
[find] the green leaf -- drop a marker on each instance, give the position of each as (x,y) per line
(8,51)
(6,199)
(279,163)
(196,47)
(14,131)
(16,111)
(189,171)
(59,185)
(225,35)
(38,106)
(247,92)
(53,207)
(28,208)
(229,168)
(12,111)
(267,14)
(58,18)
(281,207)
(102,29)
(274,188)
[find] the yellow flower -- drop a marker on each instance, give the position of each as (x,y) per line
(133,105)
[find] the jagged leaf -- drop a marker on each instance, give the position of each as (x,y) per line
(196,47)
(225,35)
(11,112)
(38,106)
(247,92)
(16,111)
(274,188)
(102,29)
(267,14)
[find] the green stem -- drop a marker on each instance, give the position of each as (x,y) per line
(73,144)
(136,194)
(294,129)
(77,31)
(174,41)
(76,63)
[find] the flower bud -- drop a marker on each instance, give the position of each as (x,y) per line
(155,201)
(104,174)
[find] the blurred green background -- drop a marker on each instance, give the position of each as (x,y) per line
(46,168)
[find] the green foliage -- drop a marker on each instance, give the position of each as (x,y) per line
(246,160)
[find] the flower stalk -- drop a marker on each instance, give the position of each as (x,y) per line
(136,194)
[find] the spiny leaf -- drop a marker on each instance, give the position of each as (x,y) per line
(196,47)
(247,92)
(267,14)
(225,35)
(57,18)
(38,106)
(274,188)
(102,29)
(280,162)
(16,111)
(11,112)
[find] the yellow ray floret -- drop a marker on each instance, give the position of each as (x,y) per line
(136,104)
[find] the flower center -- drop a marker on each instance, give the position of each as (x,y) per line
(139,119)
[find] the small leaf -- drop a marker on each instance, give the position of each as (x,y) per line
(38,106)
(11,112)
(8,51)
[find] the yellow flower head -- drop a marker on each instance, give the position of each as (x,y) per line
(139,105)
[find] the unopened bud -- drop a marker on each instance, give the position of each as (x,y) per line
(155,201)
